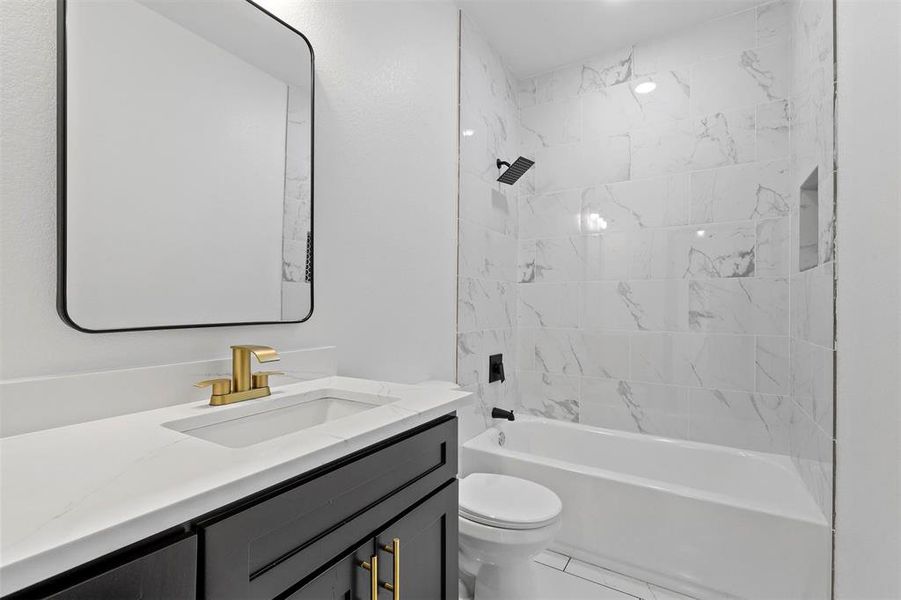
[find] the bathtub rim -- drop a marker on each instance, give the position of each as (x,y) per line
(486,441)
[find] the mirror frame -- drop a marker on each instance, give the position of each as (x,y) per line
(61,207)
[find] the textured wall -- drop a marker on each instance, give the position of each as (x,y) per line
(385,189)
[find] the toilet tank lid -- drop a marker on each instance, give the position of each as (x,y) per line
(509,502)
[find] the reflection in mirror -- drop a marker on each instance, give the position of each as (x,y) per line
(188,165)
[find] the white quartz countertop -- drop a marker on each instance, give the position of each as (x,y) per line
(75,493)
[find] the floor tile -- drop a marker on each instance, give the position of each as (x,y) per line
(584,581)
(608,578)
(621,582)
(659,593)
(552,559)
(551,584)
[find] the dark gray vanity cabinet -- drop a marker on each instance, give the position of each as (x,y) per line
(427,558)
(306,538)
(275,544)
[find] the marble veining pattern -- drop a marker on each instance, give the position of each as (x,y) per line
(747,77)
(656,268)
(632,406)
(641,204)
(548,305)
(550,215)
(773,22)
(695,248)
(742,192)
(490,128)
(619,108)
(636,305)
(731,33)
(812,146)
(741,305)
(692,360)
(773,252)
(773,364)
(773,137)
(714,140)
(549,395)
(742,419)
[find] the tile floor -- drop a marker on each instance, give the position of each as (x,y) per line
(559,577)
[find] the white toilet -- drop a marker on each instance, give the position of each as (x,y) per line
(504,522)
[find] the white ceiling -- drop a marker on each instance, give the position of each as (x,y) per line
(537,35)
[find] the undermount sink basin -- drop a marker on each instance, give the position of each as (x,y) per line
(256,421)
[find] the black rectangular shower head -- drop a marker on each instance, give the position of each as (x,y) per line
(515,171)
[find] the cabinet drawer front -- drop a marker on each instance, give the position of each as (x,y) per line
(269,547)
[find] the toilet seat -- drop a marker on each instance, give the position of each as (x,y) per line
(507,502)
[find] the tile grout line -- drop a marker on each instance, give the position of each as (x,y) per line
(569,559)
(605,586)
(649,585)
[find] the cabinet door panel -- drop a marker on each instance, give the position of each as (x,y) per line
(428,549)
(346,580)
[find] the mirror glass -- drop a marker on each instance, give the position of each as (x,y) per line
(186,175)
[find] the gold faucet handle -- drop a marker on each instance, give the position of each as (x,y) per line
(220,386)
(261,378)
(263,353)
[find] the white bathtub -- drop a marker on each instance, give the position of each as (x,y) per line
(706,520)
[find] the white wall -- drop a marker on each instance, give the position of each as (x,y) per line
(868,259)
(385,200)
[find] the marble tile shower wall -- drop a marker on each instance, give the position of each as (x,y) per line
(487,244)
(812,346)
(675,318)
(687,315)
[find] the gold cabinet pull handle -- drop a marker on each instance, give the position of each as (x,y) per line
(373,567)
(394,549)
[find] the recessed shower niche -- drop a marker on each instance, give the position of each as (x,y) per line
(808,223)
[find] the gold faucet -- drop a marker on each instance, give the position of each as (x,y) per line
(243,384)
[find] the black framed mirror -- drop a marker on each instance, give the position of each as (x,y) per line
(185,190)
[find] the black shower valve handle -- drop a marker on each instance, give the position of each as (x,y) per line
(496,368)
(499,371)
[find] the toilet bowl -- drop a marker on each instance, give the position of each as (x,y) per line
(504,522)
